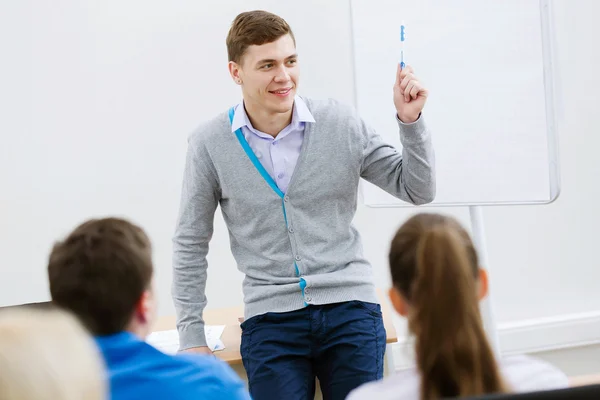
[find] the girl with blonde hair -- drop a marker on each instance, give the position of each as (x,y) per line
(47,355)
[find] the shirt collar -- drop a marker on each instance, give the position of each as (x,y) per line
(116,339)
(300,113)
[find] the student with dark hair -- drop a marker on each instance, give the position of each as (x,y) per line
(102,272)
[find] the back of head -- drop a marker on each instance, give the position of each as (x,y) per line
(254,28)
(434,266)
(100,272)
(48,355)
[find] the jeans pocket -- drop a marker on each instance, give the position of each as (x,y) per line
(249,324)
(372,308)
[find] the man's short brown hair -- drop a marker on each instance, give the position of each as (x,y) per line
(254,28)
(100,272)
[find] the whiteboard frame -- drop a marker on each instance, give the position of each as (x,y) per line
(550,88)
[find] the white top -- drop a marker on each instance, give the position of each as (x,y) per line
(521,374)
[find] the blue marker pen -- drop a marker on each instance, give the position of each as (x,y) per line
(402,40)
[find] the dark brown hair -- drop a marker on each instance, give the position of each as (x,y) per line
(100,272)
(434,265)
(254,28)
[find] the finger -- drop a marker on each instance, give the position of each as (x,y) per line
(407,78)
(398,75)
(408,89)
(406,70)
(414,92)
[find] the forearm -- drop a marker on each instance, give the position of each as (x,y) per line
(188,289)
(409,175)
(418,183)
(199,200)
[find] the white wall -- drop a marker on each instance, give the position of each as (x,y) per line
(551,266)
(545,270)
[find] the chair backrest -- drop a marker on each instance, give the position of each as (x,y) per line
(589,392)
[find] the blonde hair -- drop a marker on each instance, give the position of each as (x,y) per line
(47,355)
(434,265)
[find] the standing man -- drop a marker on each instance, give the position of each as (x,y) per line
(285,171)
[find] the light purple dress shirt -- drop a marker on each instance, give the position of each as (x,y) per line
(277,155)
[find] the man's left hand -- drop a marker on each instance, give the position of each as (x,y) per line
(409,95)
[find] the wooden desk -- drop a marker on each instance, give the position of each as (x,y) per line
(232,335)
(584,380)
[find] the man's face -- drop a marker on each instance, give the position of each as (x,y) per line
(269,75)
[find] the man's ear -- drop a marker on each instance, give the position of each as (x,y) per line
(482,284)
(143,308)
(398,301)
(234,71)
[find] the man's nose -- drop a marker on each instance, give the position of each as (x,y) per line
(282,74)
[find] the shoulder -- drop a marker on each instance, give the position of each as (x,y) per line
(211,132)
(340,121)
(402,385)
(323,109)
(524,374)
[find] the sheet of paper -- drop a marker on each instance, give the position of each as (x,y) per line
(213,336)
(168,341)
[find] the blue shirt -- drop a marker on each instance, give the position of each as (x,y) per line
(277,155)
(137,370)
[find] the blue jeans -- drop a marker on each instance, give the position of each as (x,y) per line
(342,344)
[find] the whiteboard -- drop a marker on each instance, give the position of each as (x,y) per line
(489,67)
